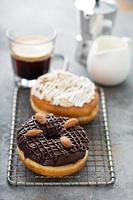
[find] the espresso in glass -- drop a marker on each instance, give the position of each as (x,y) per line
(31,56)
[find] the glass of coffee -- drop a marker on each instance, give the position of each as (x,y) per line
(31,52)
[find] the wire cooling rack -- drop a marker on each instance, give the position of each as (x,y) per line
(99,169)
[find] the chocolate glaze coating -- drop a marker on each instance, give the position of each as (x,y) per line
(46,148)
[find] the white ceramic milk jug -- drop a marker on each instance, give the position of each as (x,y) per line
(108,62)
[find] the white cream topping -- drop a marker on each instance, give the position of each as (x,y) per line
(64,89)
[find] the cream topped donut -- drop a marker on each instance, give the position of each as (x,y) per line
(65,94)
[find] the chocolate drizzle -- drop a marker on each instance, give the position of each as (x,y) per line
(46,148)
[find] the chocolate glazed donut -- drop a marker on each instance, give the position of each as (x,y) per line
(52,142)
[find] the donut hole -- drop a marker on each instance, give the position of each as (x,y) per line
(52,133)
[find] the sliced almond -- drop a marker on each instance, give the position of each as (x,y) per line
(40,118)
(33,132)
(71,122)
(66,142)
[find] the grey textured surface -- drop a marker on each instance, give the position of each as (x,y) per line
(61,14)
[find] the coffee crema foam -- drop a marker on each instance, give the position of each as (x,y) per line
(64,89)
(32,48)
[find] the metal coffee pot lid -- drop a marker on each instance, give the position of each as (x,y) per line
(91,7)
(86,6)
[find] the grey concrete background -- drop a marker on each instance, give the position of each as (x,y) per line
(61,15)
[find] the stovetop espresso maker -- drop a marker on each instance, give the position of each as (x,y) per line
(95,18)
